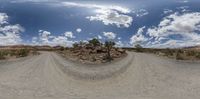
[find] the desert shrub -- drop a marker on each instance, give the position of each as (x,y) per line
(62,48)
(179,55)
(139,48)
(94,42)
(198,55)
(13,52)
(22,52)
(75,45)
(79,44)
(168,52)
(109,45)
(2,55)
(190,53)
(82,44)
(5,52)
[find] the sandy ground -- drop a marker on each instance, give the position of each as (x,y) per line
(145,77)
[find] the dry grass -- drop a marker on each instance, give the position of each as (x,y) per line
(178,54)
(16,53)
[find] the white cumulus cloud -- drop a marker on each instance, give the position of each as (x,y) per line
(138,37)
(9,34)
(78,30)
(69,34)
(119,44)
(109,15)
(46,38)
(3,18)
(185,26)
(99,37)
(141,12)
(109,35)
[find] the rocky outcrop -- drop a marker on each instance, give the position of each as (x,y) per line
(96,55)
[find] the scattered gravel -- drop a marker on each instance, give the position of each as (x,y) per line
(145,77)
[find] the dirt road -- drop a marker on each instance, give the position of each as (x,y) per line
(49,76)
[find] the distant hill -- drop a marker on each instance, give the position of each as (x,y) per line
(193,47)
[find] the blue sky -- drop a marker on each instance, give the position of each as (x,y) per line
(151,23)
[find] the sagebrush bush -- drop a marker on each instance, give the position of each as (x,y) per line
(179,55)
(62,48)
(198,55)
(2,55)
(22,52)
(169,52)
(94,42)
(191,53)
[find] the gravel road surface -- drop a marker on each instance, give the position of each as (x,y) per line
(138,76)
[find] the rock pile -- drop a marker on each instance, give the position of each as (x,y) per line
(90,54)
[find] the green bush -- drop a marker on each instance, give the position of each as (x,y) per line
(62,48)
(191,53)
(2,55)
(179,55)
(95,42)
(75,45)
(12,52)
(22,52)
(198,55)
(168,52)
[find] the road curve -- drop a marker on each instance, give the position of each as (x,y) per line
(48,76)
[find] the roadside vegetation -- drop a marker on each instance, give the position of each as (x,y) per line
(178,54)
(16,53)
(93,51)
